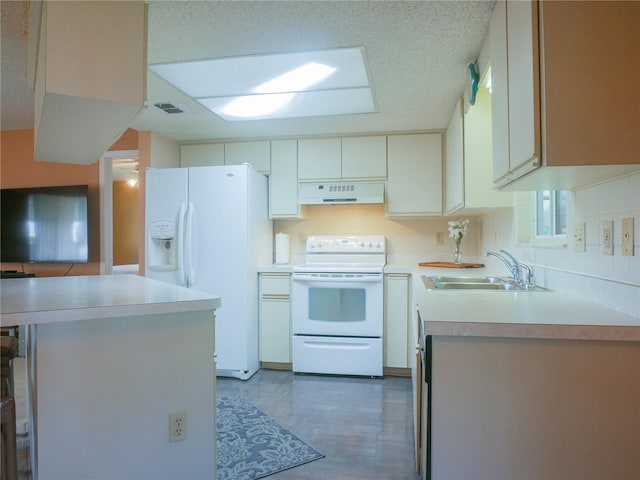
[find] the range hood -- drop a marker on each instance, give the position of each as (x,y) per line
(340,192)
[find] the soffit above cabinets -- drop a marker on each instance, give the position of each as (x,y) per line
(89,82)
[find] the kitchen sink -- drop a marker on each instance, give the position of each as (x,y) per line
(477,283)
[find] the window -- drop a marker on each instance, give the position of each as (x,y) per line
(541,217)
(550,213)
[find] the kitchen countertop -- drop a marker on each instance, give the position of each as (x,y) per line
(550,315)
(64,299)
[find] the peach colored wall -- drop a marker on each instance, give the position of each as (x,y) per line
(125,230)
(128,141)
(19,169)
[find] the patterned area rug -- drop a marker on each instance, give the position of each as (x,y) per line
(253,445)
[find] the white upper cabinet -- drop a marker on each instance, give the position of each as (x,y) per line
(469,186)
(515,88)
(257,154)
(499,92)
(479,194)
(348,158)
(90,82)
(414,175)
(283,181)
(454,161)
(561,77)
(319,159)
(201,154)
(364,158)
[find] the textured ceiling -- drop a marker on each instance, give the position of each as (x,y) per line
(417,54)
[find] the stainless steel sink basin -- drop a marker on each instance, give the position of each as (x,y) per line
(474,280)
(477,283)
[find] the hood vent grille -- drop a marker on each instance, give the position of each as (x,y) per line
(341,192)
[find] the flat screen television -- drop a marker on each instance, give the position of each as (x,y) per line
(45,225)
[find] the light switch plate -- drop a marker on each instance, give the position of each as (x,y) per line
(607,237)
(578,237)
(627,237)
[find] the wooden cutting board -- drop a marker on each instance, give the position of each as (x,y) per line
(451,265)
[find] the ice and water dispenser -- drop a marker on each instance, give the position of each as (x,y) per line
(162,254)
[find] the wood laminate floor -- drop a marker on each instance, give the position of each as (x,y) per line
(364,426)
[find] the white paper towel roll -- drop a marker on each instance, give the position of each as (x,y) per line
(282,248)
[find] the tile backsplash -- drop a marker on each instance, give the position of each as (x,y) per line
(610,280)
(409,240)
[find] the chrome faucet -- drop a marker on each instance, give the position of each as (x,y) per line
(511,266)
(515,267)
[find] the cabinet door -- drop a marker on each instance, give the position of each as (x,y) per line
(414,176)
(283,181)
(256,154)
(454,161)
(524,86)
(201,154)
(275,331)
(478,184)
(396,333)
(499,91)
(319,159)
(364,158)
(275,318)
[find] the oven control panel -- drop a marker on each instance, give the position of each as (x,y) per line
(346,244)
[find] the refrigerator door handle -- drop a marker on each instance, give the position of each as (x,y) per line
(181,244)
(188,245)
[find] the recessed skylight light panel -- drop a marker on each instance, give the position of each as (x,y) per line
(326,82)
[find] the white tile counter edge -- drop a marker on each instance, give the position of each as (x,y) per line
(65,299)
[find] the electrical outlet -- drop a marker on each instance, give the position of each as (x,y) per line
(607,237)
(627,237)
(439,238)
(578,237)
(177,426)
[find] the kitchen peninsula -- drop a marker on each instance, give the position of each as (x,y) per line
(527,385)
(109,358)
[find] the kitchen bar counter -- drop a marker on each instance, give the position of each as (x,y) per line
(117,354)
(64,299)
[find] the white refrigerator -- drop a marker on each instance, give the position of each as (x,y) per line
(207,228)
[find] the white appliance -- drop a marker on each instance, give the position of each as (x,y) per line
(208,229)
(340,192)
(337,306)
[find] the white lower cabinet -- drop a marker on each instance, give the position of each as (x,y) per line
(396,321)
(275,318)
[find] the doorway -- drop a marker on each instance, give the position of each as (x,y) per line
(120,212)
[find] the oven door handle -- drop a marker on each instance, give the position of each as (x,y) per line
(342,278)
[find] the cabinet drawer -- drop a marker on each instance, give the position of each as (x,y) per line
(275,285)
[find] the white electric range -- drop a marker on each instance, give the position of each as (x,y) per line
(337,306)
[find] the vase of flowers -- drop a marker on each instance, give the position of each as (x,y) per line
(457,231)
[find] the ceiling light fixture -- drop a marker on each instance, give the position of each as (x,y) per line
(297,79)
(301,84)
(256,105)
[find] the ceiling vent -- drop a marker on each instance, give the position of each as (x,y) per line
(168,107)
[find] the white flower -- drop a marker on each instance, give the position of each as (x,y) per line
(458,229)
